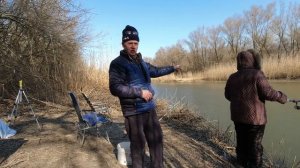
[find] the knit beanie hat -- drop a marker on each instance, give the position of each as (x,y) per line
(130,33)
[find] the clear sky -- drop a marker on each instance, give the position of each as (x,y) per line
(161,23)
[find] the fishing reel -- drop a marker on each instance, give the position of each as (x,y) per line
(297,106)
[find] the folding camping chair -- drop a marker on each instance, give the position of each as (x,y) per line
(84,124)
(98,107)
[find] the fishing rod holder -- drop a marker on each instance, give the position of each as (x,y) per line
(297,101)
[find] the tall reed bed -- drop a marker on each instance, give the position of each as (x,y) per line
(91,74)
(285,68)
(180,77)
(219,72)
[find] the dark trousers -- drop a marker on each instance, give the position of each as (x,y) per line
(141,128)
(249,149)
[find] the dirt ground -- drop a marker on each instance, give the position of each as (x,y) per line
(56,145)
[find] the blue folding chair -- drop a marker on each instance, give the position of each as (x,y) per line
(87,120)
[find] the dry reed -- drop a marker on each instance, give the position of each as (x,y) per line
(285,68)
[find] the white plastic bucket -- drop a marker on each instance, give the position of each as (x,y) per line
(124,157)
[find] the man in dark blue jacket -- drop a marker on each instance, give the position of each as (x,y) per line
(130,80)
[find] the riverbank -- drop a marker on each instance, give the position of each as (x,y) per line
(56,145)
(189,139)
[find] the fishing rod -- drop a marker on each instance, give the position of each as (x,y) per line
(297,106)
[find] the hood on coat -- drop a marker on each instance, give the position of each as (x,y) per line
(249,59)
(257,58)
(245,60)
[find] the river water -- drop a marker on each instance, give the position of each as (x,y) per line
(282,134)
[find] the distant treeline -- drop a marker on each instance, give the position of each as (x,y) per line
(274,31)
(41,43)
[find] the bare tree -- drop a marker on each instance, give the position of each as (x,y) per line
(233,29)
(161,57)
(216,43)
(279,28)
(171,55)
(257,26)
(198,45)
(293,28)
(40,45)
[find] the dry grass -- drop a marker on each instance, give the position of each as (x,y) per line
(219,72)
(95,78)
(90,78)
(179,116)
(284,68)
(180,77)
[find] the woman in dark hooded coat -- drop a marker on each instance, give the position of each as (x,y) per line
(247,90)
